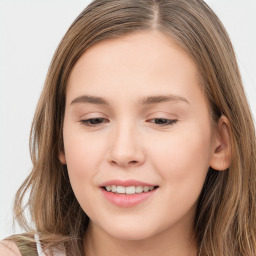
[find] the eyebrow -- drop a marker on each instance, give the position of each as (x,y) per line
(143,101)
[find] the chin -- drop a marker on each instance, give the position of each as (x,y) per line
(130,232)
(132,236)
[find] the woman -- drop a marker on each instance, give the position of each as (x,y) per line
(142,141)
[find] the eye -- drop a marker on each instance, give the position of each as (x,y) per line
(92,122)
(163,121)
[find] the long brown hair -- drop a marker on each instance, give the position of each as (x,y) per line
(226,213)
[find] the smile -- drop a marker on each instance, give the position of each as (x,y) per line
(127,193)
(129,190)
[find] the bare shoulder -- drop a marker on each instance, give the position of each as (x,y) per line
(9,248)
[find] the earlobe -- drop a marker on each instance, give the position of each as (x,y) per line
(221,156)
(62,157)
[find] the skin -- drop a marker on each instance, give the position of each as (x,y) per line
(129,143)
(8,248)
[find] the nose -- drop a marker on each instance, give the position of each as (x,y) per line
(126,149)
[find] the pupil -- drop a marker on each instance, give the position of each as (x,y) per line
(161,121)
(96,120)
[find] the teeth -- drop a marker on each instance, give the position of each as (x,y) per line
(151,188)
(120,190)
(128,190)
(146,189)
(139,189)
(113,188)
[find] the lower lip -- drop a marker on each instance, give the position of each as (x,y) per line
(124,200)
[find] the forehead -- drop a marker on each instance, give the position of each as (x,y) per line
(142,62)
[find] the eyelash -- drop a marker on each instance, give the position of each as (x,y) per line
(87,121)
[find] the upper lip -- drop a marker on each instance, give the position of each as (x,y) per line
(126,183)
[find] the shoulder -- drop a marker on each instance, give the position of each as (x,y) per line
(9,248)
(30,245)
(18,245)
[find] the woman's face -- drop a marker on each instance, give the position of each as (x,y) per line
(136,119)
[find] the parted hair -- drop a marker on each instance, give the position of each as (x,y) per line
(225,221)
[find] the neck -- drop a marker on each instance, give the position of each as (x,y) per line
(98,242)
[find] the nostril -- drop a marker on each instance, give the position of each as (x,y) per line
(124,163)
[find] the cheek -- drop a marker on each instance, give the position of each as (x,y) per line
(182,162)
(184,157)
(83,155)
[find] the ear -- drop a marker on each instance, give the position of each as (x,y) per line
(62,157)
(221,156)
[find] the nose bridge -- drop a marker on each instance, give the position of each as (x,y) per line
(126,148)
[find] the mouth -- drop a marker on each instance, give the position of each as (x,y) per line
(127,193)
(129,190)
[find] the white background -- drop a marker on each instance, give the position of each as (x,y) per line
(30,31)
